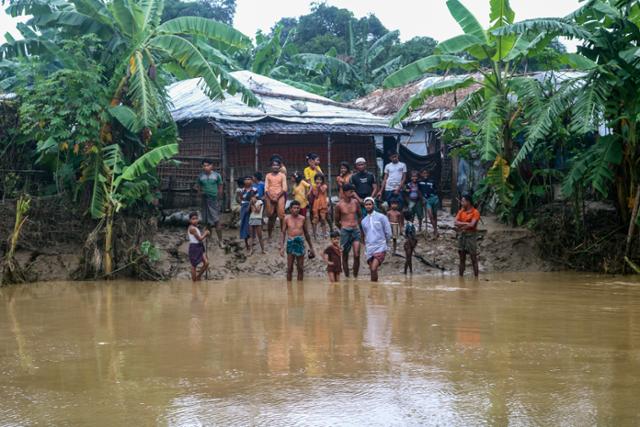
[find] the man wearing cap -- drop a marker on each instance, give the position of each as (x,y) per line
(347,212)
(364,182)
(395,175)
(377,231)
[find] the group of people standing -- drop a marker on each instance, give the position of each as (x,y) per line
(358,213)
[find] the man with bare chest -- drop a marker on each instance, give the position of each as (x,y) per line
(347,214)
(295,228)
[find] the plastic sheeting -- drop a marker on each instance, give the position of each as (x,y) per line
(433,162)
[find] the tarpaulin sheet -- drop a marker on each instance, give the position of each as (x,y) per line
(433,162)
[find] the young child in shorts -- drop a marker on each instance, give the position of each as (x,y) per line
(397,222)
(410,241)
(197,254)
(256,222)
(333,257)
(320,205)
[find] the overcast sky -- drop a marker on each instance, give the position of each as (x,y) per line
(412,17)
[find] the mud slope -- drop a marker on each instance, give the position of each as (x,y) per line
(501,249)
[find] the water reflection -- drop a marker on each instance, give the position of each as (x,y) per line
(534,349)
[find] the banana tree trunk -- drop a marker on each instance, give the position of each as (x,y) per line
(108,243)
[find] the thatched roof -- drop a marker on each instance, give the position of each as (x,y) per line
(386,102)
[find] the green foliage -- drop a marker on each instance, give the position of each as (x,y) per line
(62,113)
(606,94)
(220,10)
(508,116)
(338,55)
(148,250)
(431,63)
(91,75)
(592,167)
(118,184)
(136,48)
(413,49)
(438,88)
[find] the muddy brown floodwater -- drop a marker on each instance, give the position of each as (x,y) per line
(512,349)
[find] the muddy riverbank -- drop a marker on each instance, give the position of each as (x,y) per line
(502,248)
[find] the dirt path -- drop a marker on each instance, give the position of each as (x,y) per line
(501,248)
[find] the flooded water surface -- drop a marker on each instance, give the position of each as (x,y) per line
(534,349)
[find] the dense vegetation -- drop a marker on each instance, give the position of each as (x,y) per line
(90,118)
(523,125)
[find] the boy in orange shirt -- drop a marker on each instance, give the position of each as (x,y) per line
(467,226)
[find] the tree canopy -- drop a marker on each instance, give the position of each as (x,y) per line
(220,10)
(349,56)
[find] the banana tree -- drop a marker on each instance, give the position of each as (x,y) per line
(138,48)
(117,185)
(491,58)
(493,113)
(359,71)
(605,94)
(273,57)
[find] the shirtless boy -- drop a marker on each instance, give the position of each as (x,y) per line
(347,214)
(275,192)
(396,219)
(295,227)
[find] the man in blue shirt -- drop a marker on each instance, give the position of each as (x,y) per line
(377,230)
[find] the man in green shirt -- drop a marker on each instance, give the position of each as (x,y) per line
(209,186)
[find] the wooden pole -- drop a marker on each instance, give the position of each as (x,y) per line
(454,184)
(257,154)
(330,179)
(329,182)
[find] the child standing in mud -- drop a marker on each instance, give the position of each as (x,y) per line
(397,222)
(275,194)
(295,227)
(410,241)
(332,255)
(244,197)
(255,222)
(197,253)
(320,205)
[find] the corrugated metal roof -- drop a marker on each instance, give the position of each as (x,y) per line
(277,127)
(279,102)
